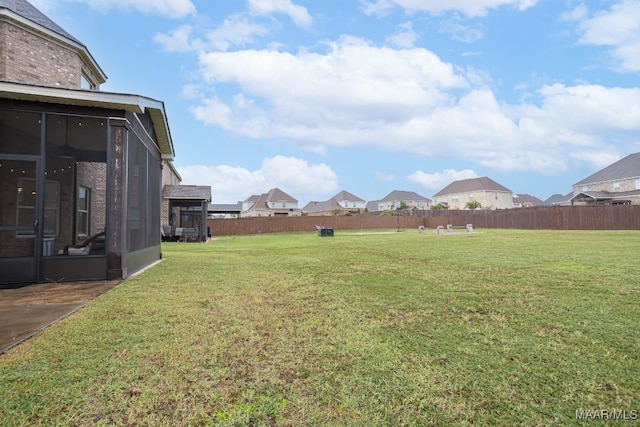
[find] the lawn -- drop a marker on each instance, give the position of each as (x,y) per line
(499,327)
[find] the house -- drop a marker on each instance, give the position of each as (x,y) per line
(187,207)
(343,203)
(80,169)
(409,200)
(559,199)
(224,210)
(526,201)
(273,203)
(486,191)
(618,183)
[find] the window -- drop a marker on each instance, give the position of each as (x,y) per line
(470,196)
(616,187)
(85,83)
(82,219)
(27,206)
(637,184)
(454,199)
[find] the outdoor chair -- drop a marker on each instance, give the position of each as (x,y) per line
(94,245)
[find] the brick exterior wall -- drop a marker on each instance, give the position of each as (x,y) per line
(28,57)
(487,199)
(630,184)
(94,177)
(624,185)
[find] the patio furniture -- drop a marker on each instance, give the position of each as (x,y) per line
(94,245)
(324,232)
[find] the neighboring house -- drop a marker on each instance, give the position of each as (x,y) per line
(187,207)
(526,201)
(559,199)
(618,183)
(343,203)
(75,163)
(224,211)
(489,193)
(409,199)
(274,203)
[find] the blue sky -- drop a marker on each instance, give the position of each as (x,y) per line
(370,96)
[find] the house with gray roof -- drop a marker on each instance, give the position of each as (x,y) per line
(81,169)
(559,199)
(343,203)
(526,201)
(273,203)
(409,199)
(618,183)
(489,193)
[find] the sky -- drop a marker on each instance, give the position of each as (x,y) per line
(370,96)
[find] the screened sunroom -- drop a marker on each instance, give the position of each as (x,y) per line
(80,183)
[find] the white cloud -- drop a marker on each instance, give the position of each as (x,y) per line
(297,13)
(617,28)
(459,31)
(168,8)
(438,180)
(294,176)
(384,176)
(404,37)
(179,40)
(437,7)
(334,97)
(349,96)
(236,30)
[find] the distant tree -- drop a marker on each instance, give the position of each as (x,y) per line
(437,207)
(473,204)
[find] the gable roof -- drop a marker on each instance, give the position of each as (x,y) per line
(403,195)
(625,168)
(187,192)
(332,203)
(559,198)
(26,15)
(474,184)
(261,201)
(345,195)
(326,205)
(26,10)
(277,195)
(527,199)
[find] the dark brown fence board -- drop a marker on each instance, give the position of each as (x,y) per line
(612,217)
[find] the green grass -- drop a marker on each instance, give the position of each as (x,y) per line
(495,328)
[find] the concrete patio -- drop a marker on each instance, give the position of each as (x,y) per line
(27,310)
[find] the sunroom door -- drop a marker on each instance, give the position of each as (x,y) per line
(21,220)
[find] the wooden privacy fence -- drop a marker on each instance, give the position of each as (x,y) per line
(608,217)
